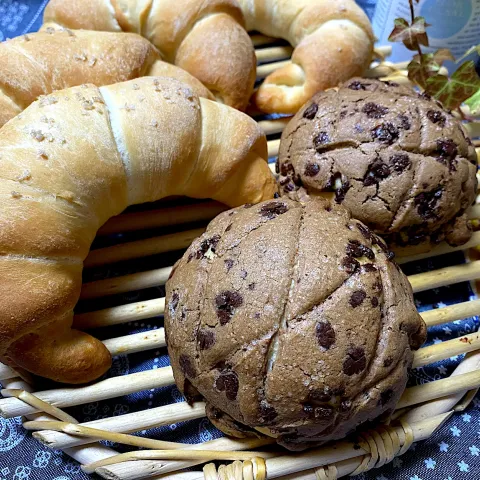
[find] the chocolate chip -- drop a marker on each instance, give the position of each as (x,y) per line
(426,203)
(350,264)
(227,382)
(248,205)
(226,303)
(387,362)
(391,84)
(369,267)
(321,396)
(357,298)
(206,245)
(437,117)
(323,413)
(365,231)
(286,168)
(376,172)
(308,409)
(343,114)
(267,413)
(311,169)
(385,397)
(228,264)
(243,274)
(320,140)
(386,133)
(276,195)
(446,153)
(277,166)
(206,339)
(357,250)
(346,404)
(372,110)
(325,334)
(173,304)
(404,122)
(355,362)
(424,96)
(340,191)
(186,366)
(400,162)
(251,286)
(374,301)
(290,187)
(273,209)
(229,228)
(378,286)
(311,111)
(356,85)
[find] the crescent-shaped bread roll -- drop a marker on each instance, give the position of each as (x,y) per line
(333,41)
(39,63)
(205,37)
(74,159)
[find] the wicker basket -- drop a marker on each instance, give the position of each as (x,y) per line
(438,400)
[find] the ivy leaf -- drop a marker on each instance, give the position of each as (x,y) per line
(474,104)
(442,55)
(475,48)
(421,68)
(453,91)
(411,35)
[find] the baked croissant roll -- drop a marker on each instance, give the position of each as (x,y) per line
(39,63)
(205,37)
(74,159)
(333,41)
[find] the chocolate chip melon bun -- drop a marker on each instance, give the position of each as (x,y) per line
(398,161)
(291,319)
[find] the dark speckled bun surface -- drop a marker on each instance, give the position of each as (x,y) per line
(292,317)
(398,161)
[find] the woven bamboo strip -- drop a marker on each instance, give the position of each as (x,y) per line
(126,283)
(132,250)
(141,310)
(273,147)
(121,314)
(439,388)
(446,349)
(470,363)
(162,217)
(6,372)
(289,464)
(84,454)
(473,129)
(109,388)
(179,412)
(258,40)
(272,127)
(458,311)
(265,70)
(445,276)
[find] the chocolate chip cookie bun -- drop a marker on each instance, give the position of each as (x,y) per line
(395,159)
(291,319)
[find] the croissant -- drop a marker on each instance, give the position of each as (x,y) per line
(74,159)
(205,37)
(333,41)
(39,63)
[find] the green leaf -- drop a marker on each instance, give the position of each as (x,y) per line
(474,104)
(411,35)
(452,92)
(421,68)
(475,48)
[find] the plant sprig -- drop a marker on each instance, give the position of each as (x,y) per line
(425,68)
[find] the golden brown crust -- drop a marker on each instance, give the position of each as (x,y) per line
(333,41)
(56,58)
(104,146)
(206,37)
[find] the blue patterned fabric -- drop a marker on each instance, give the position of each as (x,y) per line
(453,453)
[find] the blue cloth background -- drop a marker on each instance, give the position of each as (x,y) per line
(453,453)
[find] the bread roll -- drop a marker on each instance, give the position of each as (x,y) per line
(74,159)
(39,63)
(333,41)
(205,37)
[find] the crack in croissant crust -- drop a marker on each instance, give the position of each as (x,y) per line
(74,159)
(57,58)
(396,159)
(292,318)
(333,41)
(207,38)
